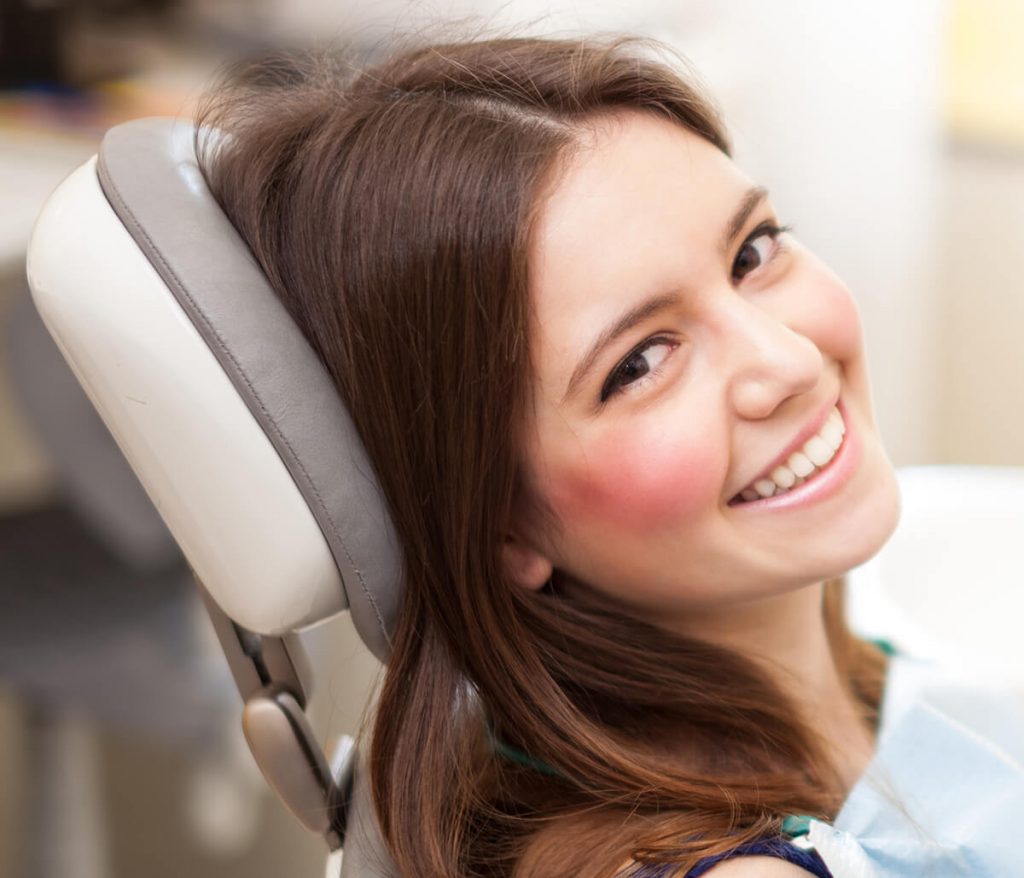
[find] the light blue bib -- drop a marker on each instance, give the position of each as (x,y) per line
(944,795)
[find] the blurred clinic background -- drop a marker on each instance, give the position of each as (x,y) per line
(891,136)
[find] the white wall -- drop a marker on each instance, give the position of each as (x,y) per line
(833,106)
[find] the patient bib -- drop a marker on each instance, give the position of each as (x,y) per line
(944,795)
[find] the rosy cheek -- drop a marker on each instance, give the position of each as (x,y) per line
(643,481)
(838,330)
(829,315)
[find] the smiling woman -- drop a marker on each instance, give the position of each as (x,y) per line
(722,351)
(622,421)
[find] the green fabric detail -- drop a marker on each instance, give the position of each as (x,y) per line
(514,754)
(885,645)
(796,825)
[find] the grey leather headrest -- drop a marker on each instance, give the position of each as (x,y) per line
(149,173)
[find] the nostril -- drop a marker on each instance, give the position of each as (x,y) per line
(767,357)
(768,380)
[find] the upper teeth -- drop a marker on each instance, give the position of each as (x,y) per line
(800,465)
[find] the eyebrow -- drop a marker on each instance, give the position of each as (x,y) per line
(755,195)
(626,322)
(648,308)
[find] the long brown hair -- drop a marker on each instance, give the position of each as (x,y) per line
(391,207)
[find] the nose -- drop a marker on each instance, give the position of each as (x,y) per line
(770,361)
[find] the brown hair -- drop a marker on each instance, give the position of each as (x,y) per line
(391,207)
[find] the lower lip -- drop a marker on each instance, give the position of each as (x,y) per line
(825,482)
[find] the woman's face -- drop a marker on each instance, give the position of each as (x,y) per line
(687,353)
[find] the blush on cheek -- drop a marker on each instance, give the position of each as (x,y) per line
(829,316)
(639,482)
(838,328)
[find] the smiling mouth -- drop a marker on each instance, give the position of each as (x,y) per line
(801,466)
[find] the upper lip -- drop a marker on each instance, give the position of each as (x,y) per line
(809,429)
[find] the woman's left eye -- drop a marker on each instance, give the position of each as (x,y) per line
(758,249)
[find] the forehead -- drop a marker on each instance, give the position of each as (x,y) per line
(638,210)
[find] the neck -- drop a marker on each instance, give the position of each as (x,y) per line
(786,635)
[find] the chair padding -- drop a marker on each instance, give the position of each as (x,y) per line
(365,852)
(94,477)
(149,173)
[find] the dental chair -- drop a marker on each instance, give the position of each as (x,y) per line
(241,441)
(238,436)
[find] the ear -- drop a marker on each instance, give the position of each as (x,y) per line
(526,566)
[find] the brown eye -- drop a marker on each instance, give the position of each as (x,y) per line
(640,362)
(757,250)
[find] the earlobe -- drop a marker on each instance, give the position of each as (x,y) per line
(524,565)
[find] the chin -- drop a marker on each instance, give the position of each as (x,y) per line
(874,522)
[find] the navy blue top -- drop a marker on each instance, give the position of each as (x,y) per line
(780,848)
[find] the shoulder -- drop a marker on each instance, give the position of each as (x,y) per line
(589,845)
(737,867)
(756,867)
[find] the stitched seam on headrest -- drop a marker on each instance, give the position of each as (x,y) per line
(114,194)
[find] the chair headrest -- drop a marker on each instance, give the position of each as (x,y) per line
(244,423)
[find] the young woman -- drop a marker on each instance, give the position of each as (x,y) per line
(623,423)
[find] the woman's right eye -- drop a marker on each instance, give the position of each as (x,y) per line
(640,364)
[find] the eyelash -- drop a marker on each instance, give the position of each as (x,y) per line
(611,388)
(769,229)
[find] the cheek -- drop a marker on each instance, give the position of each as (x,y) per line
(642,481)
(828,315)
(839,329)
